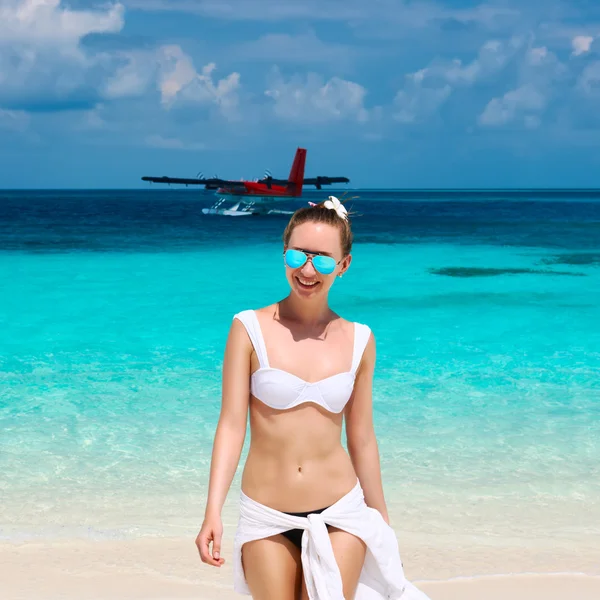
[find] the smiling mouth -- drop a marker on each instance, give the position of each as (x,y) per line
(307,284)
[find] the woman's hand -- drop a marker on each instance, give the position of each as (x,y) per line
(211,531)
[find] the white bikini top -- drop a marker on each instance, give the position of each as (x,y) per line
(282,390)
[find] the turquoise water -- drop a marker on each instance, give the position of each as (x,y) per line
(487,388)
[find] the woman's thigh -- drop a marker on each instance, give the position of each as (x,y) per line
(349,554)
(272,568)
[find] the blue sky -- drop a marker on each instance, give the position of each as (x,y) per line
(390,93)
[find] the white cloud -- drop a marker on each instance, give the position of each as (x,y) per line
(525,99)
(426,90)
(47,23)
(311,99)
(169,143)
(177,72)
(417,104)
(171,72)
(540,69)
(44,66)
(180,83)
(41,60)
(493,56)
(541,66)
(581,44)
(134,77)
(589,80)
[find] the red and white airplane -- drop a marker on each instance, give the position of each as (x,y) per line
(255,197)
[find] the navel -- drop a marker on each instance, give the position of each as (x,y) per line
(299,469)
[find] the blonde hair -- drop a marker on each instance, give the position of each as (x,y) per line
(319,213)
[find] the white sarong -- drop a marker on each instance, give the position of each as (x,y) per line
(382,576)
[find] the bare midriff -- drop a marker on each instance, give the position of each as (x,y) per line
(296,461)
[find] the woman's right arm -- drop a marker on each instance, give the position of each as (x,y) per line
(229,438)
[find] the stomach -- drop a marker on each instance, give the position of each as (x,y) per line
(296,461)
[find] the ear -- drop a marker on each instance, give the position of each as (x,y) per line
(346,263)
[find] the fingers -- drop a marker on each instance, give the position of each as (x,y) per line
(216,549)
(202,542)
(203,545)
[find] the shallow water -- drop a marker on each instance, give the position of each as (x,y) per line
(114,311)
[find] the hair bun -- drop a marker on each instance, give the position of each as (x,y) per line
(333,203)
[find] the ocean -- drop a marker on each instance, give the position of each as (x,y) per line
(114,312)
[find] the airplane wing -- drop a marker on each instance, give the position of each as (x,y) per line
(210,182)
(316,181)
(322,180)
(215,182)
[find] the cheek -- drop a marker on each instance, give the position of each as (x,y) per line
(290,274)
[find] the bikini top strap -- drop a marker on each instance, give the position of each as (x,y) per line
(362,333)
(250,322)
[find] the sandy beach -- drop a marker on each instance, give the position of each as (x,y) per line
(168,568)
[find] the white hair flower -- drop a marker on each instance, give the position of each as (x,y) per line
(334,204)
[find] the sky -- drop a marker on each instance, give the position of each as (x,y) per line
(390,93)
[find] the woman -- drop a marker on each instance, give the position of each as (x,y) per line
(313,519)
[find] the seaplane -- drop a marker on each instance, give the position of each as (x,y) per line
(244,198)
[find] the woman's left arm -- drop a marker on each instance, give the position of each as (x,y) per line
(360,434)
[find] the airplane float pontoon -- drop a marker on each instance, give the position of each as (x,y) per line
(254,197)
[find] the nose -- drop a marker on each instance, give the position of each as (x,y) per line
(307,269)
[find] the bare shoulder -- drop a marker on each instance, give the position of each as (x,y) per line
(349,328)
(270,308)
(266,312)
(345,327)
(237,328)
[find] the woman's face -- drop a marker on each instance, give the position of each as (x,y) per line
(315,238)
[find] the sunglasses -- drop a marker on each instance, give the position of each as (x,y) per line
(323,264)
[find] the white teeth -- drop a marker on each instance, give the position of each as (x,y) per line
(304,282)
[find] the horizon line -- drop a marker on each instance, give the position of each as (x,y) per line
(378,189)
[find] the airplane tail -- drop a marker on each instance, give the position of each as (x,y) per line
(297,172)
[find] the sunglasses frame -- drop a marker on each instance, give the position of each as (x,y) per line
(309,257)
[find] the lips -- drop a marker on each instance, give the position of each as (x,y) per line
(309,285)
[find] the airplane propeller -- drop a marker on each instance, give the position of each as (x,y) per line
(268,179)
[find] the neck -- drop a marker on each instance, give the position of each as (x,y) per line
(307,312)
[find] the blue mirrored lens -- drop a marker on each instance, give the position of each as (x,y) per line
(324,264)
(295,259)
